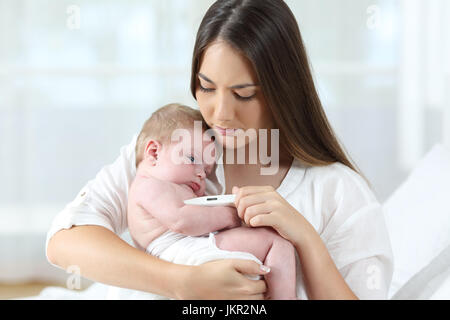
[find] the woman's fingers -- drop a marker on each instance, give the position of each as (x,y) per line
(249,267)
(245,202)
(225,280)
(252,289)
(256,209)
(264,206)
(254,201)
(264,220)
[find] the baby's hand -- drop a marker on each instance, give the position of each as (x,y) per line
(236,221)
(243,224)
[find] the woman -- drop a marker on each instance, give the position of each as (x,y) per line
(249,71)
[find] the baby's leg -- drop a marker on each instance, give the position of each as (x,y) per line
(272,249)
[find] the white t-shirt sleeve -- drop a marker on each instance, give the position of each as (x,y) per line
(355,233)
(103,201)
(368,278)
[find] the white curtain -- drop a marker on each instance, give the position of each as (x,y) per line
(424,73)
(79,77)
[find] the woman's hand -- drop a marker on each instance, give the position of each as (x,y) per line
(222,280)
(264,206)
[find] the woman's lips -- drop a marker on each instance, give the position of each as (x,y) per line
(225,131)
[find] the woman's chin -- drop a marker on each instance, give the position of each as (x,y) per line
(230,142)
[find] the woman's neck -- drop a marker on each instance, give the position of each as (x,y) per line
(247,161)
(256,174)
(256,154)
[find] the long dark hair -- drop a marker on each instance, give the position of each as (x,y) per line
(267,33)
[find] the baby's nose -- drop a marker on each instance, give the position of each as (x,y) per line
(201,174)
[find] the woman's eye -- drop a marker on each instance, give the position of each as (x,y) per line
(204,89)
(237,96)
(241,98)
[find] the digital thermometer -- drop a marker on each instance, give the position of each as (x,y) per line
(213,201)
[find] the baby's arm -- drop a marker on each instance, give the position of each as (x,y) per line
(198,220)
(164,201)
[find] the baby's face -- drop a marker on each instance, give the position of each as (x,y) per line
(186,163)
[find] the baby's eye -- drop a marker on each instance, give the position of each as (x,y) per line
(191,158)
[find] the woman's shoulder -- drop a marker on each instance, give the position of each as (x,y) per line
(341,180)
(327,196)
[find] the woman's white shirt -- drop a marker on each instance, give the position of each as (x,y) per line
(334,199)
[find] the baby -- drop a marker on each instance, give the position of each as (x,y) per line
(169,172)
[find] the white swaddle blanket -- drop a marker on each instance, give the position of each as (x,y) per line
(181,249)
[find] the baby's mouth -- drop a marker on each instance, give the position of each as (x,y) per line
(194,186)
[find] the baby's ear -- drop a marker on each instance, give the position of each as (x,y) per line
(152,150)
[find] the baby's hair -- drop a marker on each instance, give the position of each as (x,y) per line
(163,122)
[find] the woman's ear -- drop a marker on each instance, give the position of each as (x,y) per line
(152,151)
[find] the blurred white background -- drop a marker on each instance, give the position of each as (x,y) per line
(78,78)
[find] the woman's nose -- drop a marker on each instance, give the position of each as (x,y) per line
(223,108)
